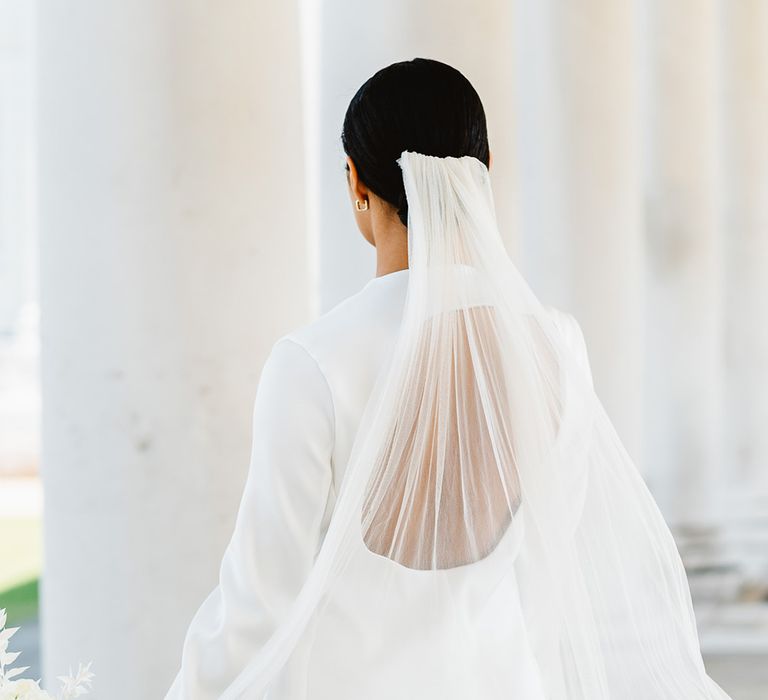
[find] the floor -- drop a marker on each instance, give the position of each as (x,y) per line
(742,677)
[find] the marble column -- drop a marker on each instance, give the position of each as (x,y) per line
(173,254)
(18,285)
(744,110)
(353,44)
(684,275)
(580,204)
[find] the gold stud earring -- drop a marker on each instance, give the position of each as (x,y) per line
(358,207)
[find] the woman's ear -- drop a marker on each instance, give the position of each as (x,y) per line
(358,189)
(490,159)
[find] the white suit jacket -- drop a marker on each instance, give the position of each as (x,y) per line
(310,397)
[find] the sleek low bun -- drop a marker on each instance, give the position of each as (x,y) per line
(419,105)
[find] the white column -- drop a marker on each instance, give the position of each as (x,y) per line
(580,203)
(745,228)
(173,254)
(684,371)
(17,173)
(355,42)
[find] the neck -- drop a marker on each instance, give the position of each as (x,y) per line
(391,251)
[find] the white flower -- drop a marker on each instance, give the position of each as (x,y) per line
(73,686)
(23,689)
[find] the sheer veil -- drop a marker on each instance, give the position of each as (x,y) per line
(484,456)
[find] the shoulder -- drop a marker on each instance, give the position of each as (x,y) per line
(573,336)
(338,325)
(301,345)
(347,334)
(567,324)
(292,382)
(297,378)
(298,365)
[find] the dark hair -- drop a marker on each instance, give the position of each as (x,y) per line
(419,105)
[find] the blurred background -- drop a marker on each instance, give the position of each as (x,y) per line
(173,199)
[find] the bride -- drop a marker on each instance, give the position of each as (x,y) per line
(437,506)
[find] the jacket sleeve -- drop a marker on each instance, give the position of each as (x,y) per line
(278,529)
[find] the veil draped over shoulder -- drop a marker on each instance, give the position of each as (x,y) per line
(486,477)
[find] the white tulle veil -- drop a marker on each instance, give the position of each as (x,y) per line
(484,452)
